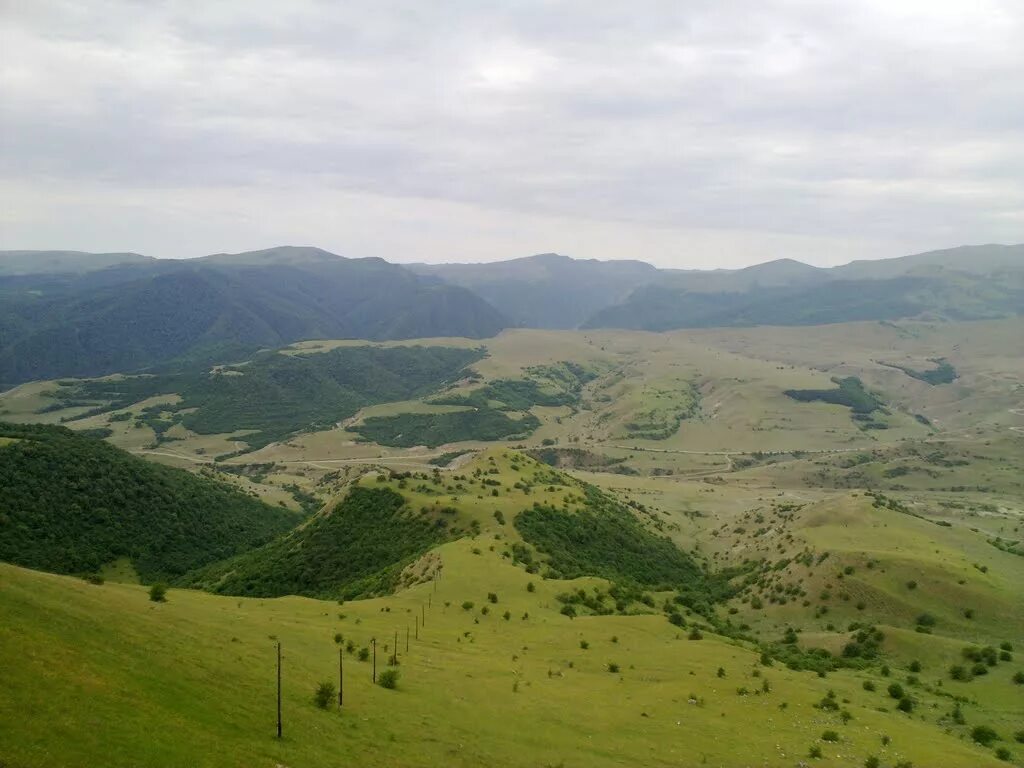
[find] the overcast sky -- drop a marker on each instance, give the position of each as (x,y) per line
(692,134)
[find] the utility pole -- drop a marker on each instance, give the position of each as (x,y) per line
(341,676)
(279,689)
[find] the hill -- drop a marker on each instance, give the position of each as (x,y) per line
(73,504)
(219,310)
(548,290)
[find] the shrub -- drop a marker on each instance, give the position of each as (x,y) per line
(467,605)
(830,736)
(911,584)
(1018,677)
(872,762)
(388,678)
(1003,753)
(915,666)
(869,685)
(530,587)
(584,644)
(695,634)
(324,695)
(984,735)
(158,593)
(926,620)
(895,690)
(364,653)
(1019,737)
(613,667)
(492,597)
(815,752)
(959,672)
(906,705)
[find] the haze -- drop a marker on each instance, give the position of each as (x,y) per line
(707,134)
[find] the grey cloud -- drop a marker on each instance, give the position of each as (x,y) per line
(897,125)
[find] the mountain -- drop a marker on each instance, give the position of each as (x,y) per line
(127,319)
(548,290)
(73,503)
(63,262)
(970,283)
(970,259)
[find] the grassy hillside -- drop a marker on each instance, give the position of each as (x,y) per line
(71,504)
(474,688)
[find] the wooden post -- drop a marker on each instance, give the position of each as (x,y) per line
(374,641)
(341,676)
(394,659)
(279,689)
(406,638)
(423,615)
(417,627)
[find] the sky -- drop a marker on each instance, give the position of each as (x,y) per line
(698,134)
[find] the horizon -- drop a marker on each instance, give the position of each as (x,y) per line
(514,258)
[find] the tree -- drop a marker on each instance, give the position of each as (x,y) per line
(158,593)
(324,695)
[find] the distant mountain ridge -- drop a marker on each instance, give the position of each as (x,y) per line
(131,317)
(93,314)
(547,290)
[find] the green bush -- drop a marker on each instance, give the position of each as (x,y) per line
(895,690)
(158,593)
(830,736)
(388,678)
(613,667)
(324,695)
(984,735)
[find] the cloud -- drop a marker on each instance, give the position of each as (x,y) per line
(694,134)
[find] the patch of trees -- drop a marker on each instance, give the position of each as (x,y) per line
(72,503)
(405,430)
(943,373)
(605,539)
(849,391)
(357,549)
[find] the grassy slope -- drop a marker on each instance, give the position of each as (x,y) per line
(108,676)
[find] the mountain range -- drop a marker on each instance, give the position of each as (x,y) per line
(70,313)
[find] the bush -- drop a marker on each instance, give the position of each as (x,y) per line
(530,587)
(872,762)
(467,605)
(492,597)
(584,644)
(830,736)
(869,685)
(1018,677)
(613,667)
(915,666)
(815,752)
(364,653)
(960,673)
(158,593)
(984,735)
(1003,753)
(906,705)
(388,678)
(895,690)
(324,695)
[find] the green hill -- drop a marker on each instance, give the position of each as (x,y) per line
(71,504)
